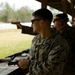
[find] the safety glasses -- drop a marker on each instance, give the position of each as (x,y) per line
(57,19)
(35,20)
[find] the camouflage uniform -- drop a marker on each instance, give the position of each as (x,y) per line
(48,55)
(69,34)
(28,30)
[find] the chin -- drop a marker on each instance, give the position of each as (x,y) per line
(34,31)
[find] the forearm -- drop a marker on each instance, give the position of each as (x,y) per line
(54,65)
(28,30)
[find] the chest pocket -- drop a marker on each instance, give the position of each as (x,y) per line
(46,51)
(41,50)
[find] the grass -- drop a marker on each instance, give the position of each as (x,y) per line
(13,41)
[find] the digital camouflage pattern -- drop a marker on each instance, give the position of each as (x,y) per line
(48,55)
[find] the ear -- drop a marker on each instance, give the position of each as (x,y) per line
(41,22)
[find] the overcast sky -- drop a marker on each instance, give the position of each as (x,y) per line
(33,4)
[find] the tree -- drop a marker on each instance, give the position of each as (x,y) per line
(8,14)
(5,12)
(23,14)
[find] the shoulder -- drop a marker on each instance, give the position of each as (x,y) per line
(57,37)
(59,40)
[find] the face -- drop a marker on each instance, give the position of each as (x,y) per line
(57,23)
(36,24)
(74,22)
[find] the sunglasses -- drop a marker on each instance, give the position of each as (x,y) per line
(35,20)
(57,19)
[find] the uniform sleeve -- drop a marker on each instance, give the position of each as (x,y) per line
(28,30)
(56,60)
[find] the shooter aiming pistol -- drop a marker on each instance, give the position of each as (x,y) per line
(18,24)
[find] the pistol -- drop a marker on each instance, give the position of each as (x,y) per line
(15,22)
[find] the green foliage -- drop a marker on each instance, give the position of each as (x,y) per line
(8,14)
